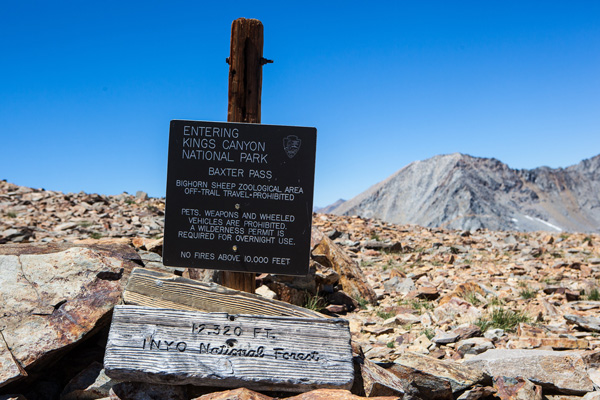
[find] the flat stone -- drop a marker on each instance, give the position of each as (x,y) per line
(518,388)
(467,331)
(379,330)
(399,285)
(556,343)
(427,292)
(475,345)
(494,334)
(445,338)
(561,371)
(460,376)
(403,319)
(265,292)
(588,323)
(420,345)
(378,353)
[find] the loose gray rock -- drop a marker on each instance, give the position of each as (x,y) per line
(562,371)
(459,376)
(588,323)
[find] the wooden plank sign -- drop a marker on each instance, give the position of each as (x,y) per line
(219,349)
(157,289)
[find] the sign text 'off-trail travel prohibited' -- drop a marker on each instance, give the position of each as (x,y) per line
(239,197)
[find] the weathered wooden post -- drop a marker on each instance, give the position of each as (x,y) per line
(245,88)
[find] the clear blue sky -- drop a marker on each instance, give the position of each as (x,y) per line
(88,87)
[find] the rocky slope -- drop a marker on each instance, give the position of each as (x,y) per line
(458,314)
(458,191)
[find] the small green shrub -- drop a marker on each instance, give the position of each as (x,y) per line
(496,301)
(593,295)
(501,318)
(527,293)
(471,297)
(11,214)
(384,314)
(95,235)
(429,333)
(362,303)
(391,344)
(315,303)
(364,264)
(421,305)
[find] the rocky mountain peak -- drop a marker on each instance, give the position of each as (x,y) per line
(460,191)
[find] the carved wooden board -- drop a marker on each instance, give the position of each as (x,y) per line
(157,289)
(218,349)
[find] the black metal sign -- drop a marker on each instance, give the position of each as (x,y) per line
(239,197)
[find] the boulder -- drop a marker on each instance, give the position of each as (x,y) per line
(53,296)
(459,376)
(372,380)
(352,278)
(422,384)
(562,371)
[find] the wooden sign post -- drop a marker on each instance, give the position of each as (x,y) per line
(239,194)
(245,89)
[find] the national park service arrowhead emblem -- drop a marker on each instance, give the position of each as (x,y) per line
(291,145)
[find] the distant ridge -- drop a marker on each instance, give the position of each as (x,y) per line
(458,191)
(328,209)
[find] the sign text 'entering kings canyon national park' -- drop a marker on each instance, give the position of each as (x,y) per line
(239,196)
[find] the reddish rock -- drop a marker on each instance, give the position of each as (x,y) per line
(237,394)
(516,389)
(352,279)
(55,294)
(337,394)
(372,380)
